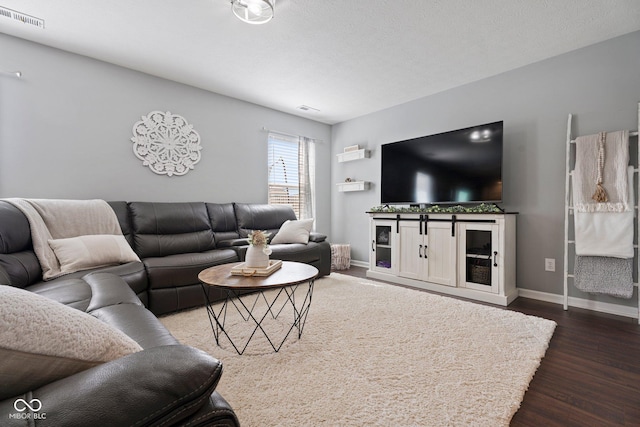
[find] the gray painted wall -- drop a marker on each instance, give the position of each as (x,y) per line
(599,84)
(65,131)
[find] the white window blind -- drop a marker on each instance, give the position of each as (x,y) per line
(291,162)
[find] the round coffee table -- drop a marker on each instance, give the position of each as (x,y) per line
(244,293)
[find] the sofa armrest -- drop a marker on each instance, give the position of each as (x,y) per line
(317,237)
(216,412)
(231,243)
(313,237)
(4,277)
(159,385)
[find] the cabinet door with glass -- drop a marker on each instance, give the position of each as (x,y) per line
(480,255)
(383,251)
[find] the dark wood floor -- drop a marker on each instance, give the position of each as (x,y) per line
(590,375)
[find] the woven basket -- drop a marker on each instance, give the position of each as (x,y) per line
(481,274)
(340,256)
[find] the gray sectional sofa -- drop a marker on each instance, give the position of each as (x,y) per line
(166,383)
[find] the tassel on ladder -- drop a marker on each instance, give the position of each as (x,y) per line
(600,195)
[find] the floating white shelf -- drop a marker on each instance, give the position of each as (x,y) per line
(352,155)
(352,186)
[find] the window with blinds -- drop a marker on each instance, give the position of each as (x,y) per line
(289,159)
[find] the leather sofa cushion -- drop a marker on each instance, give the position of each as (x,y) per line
(110,299)
(122,213)
(183,269)
(4,277)
(223,221)
(298,252)
(22,267)
(137,322)
(317,237)
(16,254)
(88,292)
(132,272)
(261,217)
(15,233)
(72,292)
(168,300)
(108,289)
(170,228)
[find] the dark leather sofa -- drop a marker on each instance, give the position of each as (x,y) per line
(166,383)
(175,242)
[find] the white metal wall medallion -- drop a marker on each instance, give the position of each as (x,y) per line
(166,143)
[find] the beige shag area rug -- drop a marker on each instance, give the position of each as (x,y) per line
(373,354)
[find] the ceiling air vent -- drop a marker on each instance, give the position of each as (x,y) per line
(22,17)
(306,108)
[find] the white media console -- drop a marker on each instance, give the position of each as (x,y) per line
(467,255)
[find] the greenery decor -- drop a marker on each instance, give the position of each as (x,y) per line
(482,208)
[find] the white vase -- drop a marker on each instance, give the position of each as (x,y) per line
(256,257)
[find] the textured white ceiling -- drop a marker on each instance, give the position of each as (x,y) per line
(344,58)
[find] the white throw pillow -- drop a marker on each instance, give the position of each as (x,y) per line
(293,232)
(91,251)
(42,340)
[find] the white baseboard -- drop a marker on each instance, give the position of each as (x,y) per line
(603,307)
(357,263)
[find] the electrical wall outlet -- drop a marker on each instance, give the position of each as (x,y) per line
(549,264)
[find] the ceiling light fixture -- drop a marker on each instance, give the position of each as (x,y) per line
(253,11)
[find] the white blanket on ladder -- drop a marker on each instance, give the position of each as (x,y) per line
(615,163)
(604,250)
(606,234)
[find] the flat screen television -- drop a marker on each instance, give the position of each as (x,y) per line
(457,167)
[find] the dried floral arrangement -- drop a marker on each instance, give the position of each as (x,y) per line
(258,238)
